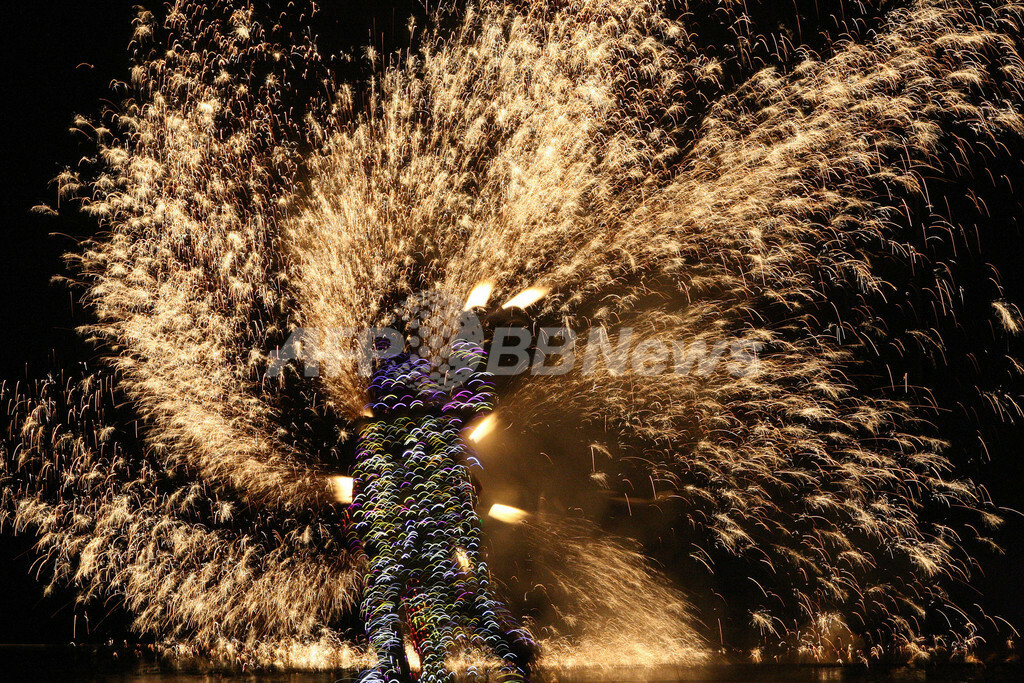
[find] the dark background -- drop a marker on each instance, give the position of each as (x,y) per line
(59,58)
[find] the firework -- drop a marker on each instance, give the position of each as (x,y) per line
(599,167)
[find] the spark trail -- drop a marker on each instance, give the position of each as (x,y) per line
(606,152)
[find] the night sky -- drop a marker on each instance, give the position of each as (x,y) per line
(59,60)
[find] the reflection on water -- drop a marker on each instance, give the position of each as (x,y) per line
(46,664)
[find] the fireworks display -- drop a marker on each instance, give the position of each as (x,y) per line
(621,170)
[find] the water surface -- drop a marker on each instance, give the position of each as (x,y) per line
(46,664)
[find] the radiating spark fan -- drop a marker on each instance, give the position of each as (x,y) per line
(703,175)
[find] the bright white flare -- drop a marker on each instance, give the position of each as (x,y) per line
(480,295)
(508,514)
(413,656)
(527,298)
(483,429)
(463,559)
(342,489)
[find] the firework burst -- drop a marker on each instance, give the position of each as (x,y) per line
(625,172)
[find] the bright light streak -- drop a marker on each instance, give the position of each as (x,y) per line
(527,297)
(508,514)
(483,429)
(413,657)
(463,559)
(342,488)
(480,295)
